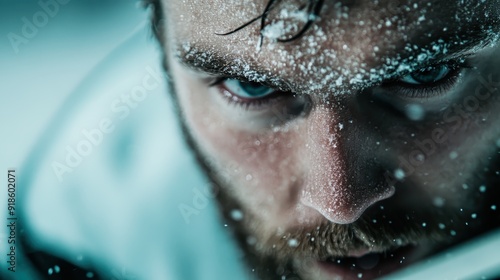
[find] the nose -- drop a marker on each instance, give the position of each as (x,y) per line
(338,183)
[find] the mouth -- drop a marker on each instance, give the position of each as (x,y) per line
(367,264)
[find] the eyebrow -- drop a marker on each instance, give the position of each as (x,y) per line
(223,65)
(208,61)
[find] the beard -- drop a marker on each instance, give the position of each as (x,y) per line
(292,252)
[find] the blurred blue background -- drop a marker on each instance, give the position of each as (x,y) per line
(119,208)
(45,70)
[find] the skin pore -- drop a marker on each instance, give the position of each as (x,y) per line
(366,144)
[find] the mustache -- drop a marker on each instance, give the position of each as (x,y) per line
(329,240)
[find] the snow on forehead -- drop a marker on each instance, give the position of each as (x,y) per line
(346,48)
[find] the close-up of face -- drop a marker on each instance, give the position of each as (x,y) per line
(345,139)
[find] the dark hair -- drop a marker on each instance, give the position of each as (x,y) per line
(313,8)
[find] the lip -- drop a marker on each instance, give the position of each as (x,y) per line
(367,264)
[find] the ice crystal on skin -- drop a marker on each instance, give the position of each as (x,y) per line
(293,243)
(308,58)
(288,22)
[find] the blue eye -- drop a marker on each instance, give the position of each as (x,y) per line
(247,90)
(427,76)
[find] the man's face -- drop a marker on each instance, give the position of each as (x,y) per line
(362,146)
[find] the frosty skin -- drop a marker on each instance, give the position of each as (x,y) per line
(347,157)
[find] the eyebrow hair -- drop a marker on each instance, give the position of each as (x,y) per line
(209,61)
(215,63)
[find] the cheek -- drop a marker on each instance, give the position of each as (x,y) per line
(445,160)
(257,165)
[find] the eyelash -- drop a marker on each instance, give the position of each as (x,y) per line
(438,88)
(247,104)
(393,87)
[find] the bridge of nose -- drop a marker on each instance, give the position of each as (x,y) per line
(337,181)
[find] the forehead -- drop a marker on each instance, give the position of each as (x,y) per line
(350,41)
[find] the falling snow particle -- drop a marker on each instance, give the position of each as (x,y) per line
(498,143)
(57,268)
(453,155)
(438,201)
(251,240)
(236,215)
(341,126)
(420,157)
(293,242)
(482,189)
(453,233)
(50,271)
(414,112)
(493,207)
(399,174)
(360,275)
(248,177)
(474,215)
(441,226)
(465,186)
(89,274)
(424,224)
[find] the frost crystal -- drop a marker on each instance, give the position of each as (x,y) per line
(274,31)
